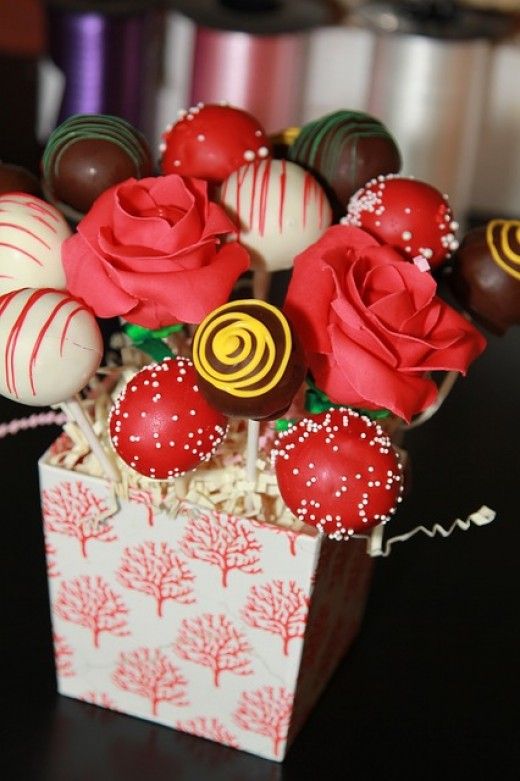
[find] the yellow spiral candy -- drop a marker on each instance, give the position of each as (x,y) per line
(243,348)
(503,239)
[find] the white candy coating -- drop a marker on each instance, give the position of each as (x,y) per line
(31,234)
(50,346)
(280,209)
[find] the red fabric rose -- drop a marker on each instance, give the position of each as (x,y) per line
(372,324)
(149,250)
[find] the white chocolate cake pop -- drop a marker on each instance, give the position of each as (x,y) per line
(50,346)
(31,234)
(280,209)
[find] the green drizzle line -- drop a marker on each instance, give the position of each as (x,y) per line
(94,126)
(335,131)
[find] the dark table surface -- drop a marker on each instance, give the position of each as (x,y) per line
(431,684)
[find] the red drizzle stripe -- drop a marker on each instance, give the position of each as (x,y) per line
(39,207)
(44,330)
(264,192)
(23,252)
(24,230)
(283,184)
(13,338)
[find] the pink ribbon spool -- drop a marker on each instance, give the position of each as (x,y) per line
(262,74)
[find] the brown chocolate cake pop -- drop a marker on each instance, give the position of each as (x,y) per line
(89,153)
(344,150)
(486,274)
(15,179)
(247,359)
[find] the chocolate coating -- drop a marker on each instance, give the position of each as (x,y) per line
(15,179)
(344,150)
(480,281)
(87,154)
(245,378)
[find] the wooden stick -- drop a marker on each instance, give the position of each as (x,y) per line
(253,433)
(73,408)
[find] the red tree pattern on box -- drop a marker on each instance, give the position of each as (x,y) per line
(140,496)
(102,699)
(213,641)
(211,729)
(224,541)
(155,569)
(52,567)
(74,510)
(278,607)
(63,655)
(266,711)
(90,602)
(149,673)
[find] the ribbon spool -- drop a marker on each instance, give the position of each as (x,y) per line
(429,74)
(252,54)
(108,54)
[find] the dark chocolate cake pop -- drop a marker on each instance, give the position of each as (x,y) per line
(345,150)
(247,359)
(15,179)
(486,274)
(87,154)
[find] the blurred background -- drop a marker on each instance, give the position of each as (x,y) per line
(442,75)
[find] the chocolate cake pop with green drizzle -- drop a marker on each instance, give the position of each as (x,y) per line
(344,150)
(87,154)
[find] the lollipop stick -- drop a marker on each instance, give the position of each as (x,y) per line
(72,407)
(261,284)
(253,433)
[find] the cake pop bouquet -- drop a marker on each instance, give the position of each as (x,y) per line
(231,420)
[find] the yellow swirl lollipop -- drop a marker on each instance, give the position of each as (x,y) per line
(247,359)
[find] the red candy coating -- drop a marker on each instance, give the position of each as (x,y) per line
(161,425)
(210,142)
(339,472)
(411,216)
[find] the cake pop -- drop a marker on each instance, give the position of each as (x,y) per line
(248,361)
(344,150)
(411,216)
(87,154)
(338,472)
(486,274)
(31,234)
(280,210)
(161,425)
(16,179)
(209,142)
(51,346)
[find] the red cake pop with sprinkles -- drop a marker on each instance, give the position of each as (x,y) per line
(338,472)
(161,426)
(209,142)
(410,215)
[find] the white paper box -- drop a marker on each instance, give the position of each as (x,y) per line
(217,626)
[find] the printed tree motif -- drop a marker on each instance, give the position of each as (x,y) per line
(213,641)
(155,569)
(150,674)
(266,711)
(52,567)
(140,496)
(211,729)
(102,699)
(224,541)
(71,508)
(278,607)
(63,654)
(90,602)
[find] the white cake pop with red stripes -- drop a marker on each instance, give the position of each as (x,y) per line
(279,208)
(31,234)
(50,346)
